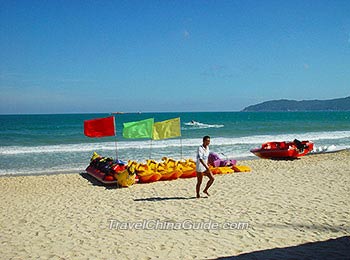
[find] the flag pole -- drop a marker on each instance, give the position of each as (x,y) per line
(116,148)
(181,147)
(180,139)
(115,141)
(150,150)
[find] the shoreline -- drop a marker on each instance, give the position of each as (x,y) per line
(285,203)
(80,171)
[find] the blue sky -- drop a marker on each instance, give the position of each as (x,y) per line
(159,56)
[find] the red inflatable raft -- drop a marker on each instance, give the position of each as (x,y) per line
(283,150)
(100,176)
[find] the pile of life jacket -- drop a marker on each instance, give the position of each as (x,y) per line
(114,170)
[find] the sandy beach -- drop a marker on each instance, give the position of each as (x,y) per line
(280,209)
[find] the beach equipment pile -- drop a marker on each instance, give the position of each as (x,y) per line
(109,171)
(125,174)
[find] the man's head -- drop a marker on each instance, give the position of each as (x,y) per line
(206,140)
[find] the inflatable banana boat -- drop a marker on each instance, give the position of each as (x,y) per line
(124,174)
(283,150)
(110,172)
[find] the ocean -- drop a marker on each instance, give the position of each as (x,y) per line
(48,144)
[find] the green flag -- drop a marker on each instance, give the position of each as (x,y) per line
(138,129)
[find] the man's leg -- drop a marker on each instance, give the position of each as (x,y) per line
(199,182)
(209,183)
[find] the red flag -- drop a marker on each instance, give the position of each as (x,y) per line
(99,127)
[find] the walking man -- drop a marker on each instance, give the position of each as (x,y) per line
(202,167)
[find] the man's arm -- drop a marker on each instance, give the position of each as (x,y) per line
(204,164)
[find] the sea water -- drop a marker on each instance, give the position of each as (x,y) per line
(46,144)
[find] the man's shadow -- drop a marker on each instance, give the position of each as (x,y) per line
(155,199)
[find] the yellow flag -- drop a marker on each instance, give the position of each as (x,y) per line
(167,129)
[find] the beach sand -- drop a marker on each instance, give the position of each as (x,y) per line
(280,205)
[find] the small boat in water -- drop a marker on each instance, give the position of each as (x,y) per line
(283,150)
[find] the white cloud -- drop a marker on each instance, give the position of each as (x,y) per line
(186,34)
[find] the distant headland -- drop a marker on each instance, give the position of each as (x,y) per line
(338,104)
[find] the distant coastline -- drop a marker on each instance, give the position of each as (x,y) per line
(339,104)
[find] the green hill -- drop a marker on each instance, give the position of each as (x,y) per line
(339,104)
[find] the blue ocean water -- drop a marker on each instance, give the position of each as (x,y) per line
(44,144)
